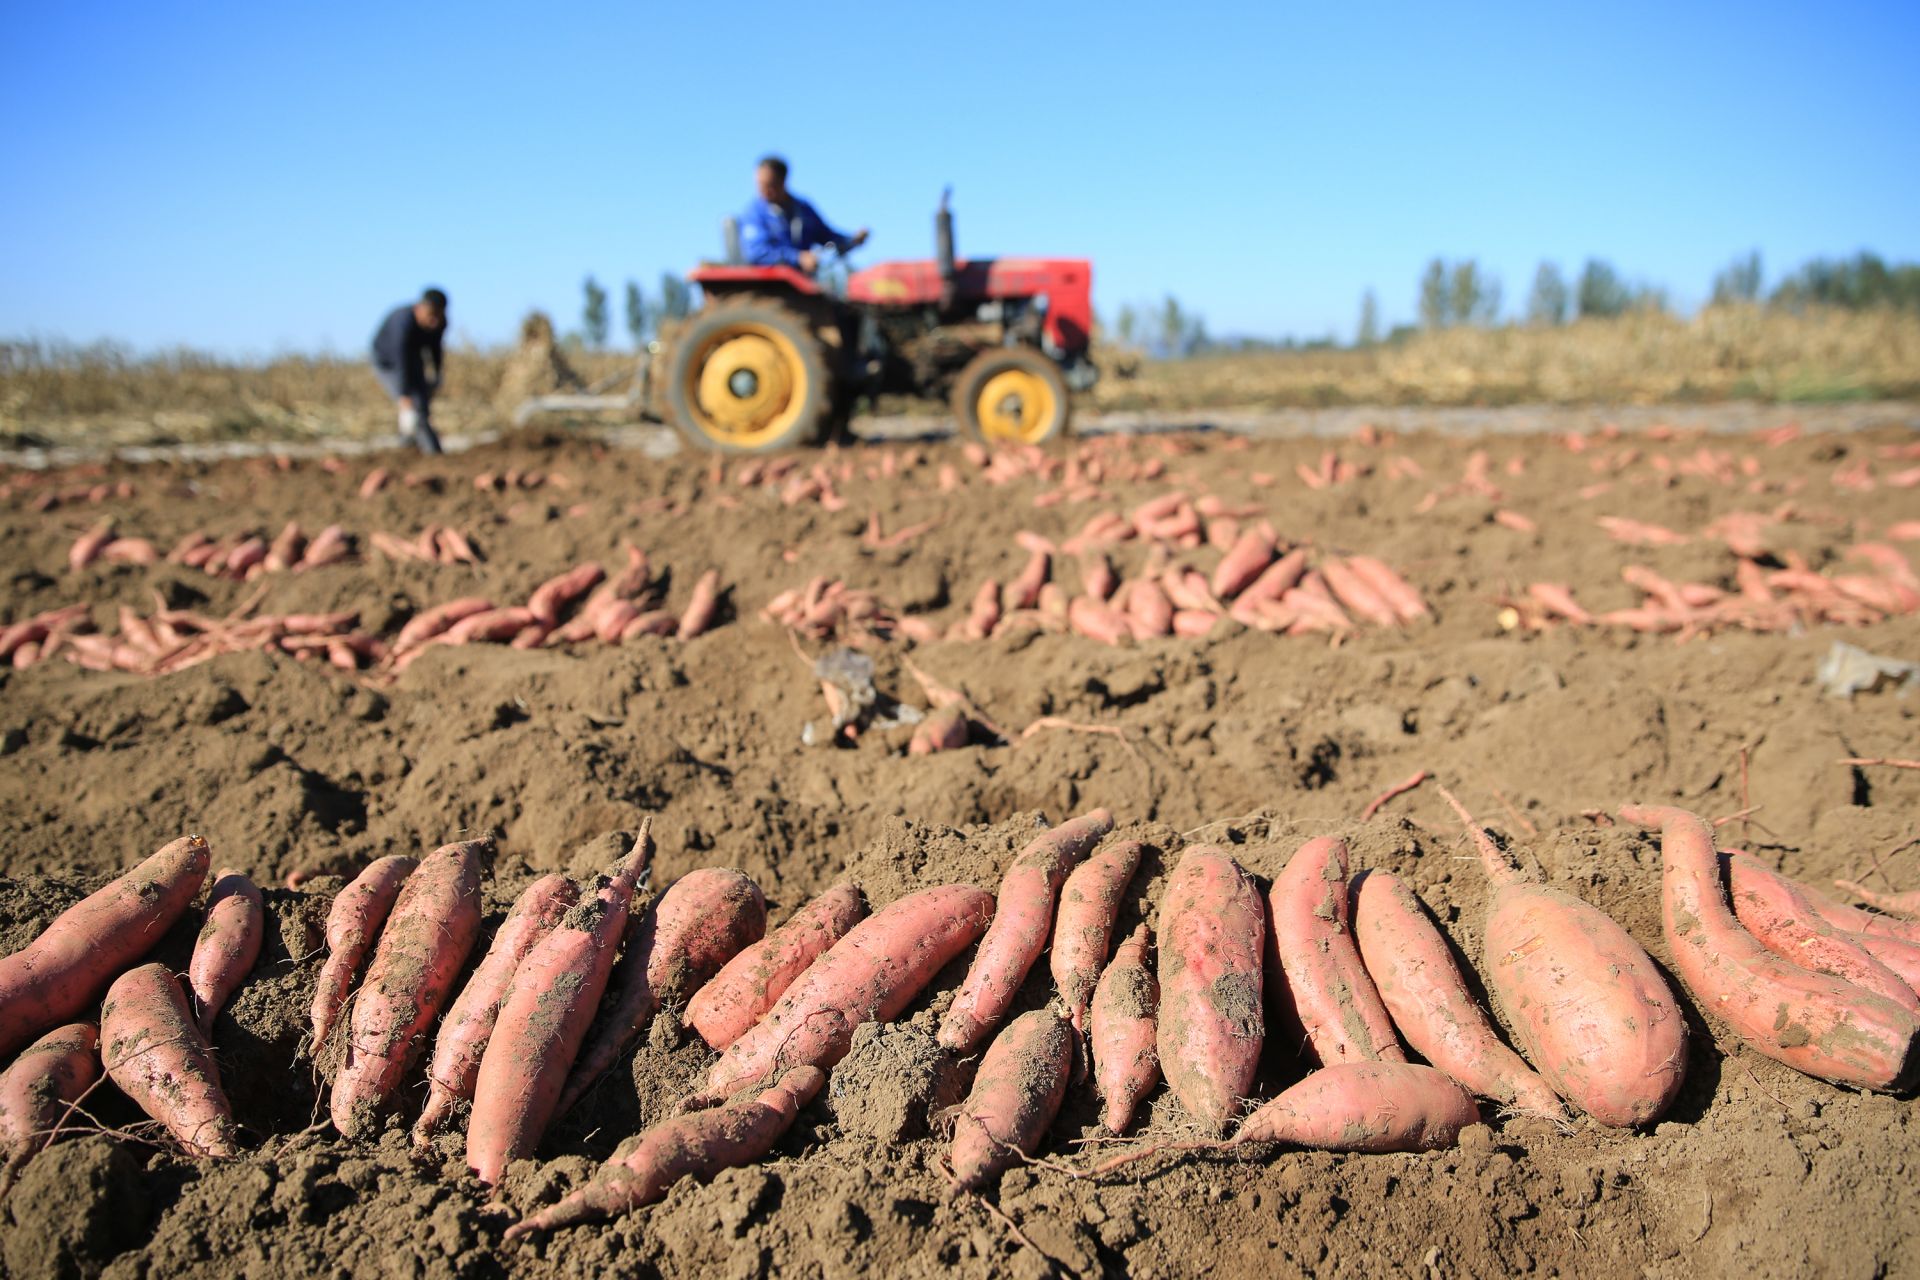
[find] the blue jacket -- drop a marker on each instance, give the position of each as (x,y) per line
(771,236)
(401,346)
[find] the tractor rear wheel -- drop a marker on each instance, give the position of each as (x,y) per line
(1011,395)
(748,377)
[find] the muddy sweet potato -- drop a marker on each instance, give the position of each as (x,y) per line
(1583,999)
(353,922)
(544,1018)
(1121,1029)
(706,918)
(1782,919)
(462,1041)
(1016,1095)
(753,981)
(1083,928)
(40,1086)
(64,970)
(228,945)
(1414,970)
(687,1146)
(1326,987)
(156,1055)
(435,920)
(1023,918)
(1211,1024)
(1816,1024)
(870,975)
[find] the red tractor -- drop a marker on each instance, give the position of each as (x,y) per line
(774,359)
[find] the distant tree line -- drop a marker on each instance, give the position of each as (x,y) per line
(644,315)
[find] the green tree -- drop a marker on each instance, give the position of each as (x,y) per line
(637,317)
(1601,292)
(1547,304)
(1738,281)
(593,314)
(676,299)
(1864,280)
(1473,296)
(1433,296)
(1368,333)
(1127,324)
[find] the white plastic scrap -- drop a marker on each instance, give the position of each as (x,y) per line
(1848,669)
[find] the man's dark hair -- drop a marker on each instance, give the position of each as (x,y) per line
(776,164)
(435,298)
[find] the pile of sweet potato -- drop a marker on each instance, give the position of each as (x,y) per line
(1346,966)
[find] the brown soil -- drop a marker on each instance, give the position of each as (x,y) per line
(1243,739)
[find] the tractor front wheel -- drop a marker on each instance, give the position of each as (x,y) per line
(1011,395)
(748,377)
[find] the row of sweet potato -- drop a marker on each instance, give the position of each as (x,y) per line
(1351,969)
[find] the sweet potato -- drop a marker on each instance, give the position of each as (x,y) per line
(698,1146)
(869,975)
(429,623)
(552,598)
(704,920)
(87,547)
(750,983)
(1210,1025)
(228,945)
(1356,593)
(943,729)
(1401,596)
(158,1058)
(1015,1097)
(462,1041)
(1582,998)
(1023,917)
(1414,970)
(64,970)
(1243,564)
(703,608)
(37,1090)
(1324,984)
(353,922)
(544,1018)
(419,956)
(1083,929)
(1354,1106)
(1815,1024)
(1781,918)
(1126,1062)
(1905,905)
(493,626)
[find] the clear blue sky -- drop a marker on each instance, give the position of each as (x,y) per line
(256,178)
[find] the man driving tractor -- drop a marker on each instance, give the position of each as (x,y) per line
(781,229)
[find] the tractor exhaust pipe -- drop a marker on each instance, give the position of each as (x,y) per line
(943,251)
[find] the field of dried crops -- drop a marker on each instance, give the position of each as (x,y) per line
(97,399)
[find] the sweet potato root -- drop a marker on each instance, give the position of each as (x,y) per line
(1023,918)
(42,1083)
(704,920)
(1083,929)
(703,609)
(750,983)
(353,922)
(1413,968)
(1126,1062)
(1815,1024)
(1782,919)
(1015,1097)
(1584,1000)
(1210,1026)
(869,975)
(462,1041)
(697,1146)
(419,956)
(1326,985)
(1355,1106)
(158,1058)
(545,1016)
(228,945)
(64,970)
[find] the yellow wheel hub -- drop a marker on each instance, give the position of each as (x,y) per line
(1015,405)
(753,385)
